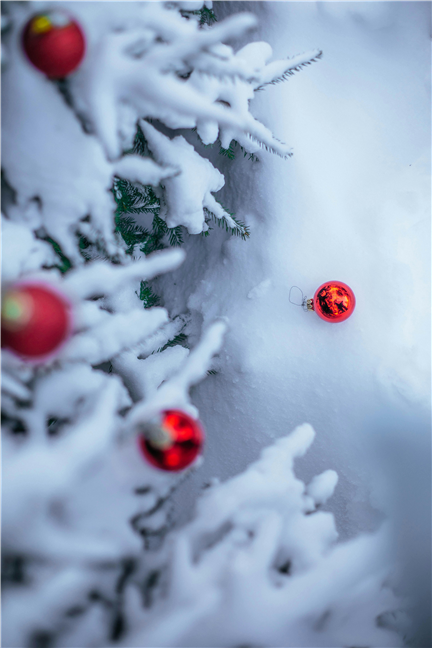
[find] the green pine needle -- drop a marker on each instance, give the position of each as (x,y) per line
(140,146)
(133,200)
(131,232)
(241,229)
(147,296)
(206,16)
(230,152)
(83,243)
(180,339)
(65,264)
(160,229)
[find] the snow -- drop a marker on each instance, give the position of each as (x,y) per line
(68,175)
(98,278)
(189,191)
(238,92)
(268,555)
(227,582)
(23,253)
(353,203)
(173,394)
(322,486)
(136,169)
(49,469)
(260,290)
(15,388)
(124,68)
(143,377)
(110,337)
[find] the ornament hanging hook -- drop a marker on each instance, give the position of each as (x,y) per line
(289,296)
(303,302)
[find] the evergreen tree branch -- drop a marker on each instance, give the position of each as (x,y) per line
(147,296)
(205,16)
(230,152)
(240,229)
(65,264)
(281,70)
(180,339)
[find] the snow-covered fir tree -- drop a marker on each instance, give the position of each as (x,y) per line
(105,175)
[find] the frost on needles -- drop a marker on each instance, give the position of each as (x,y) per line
(99,192)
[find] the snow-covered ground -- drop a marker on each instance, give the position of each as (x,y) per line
(352,204)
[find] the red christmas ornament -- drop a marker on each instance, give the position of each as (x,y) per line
(333,301)
(54,43)
(172,442)
(35,320)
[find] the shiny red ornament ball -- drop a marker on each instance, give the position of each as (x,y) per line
(172,442)
(54,43)
(334,301)
(35,320)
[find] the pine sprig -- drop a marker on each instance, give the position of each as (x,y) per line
(291,71)
(230,152)
(131,232)
(205,16)
(180,339)
(147,296)
(240,228)
(252,156)
(268,148)
(160,229)
(65,264)
(133,200)
(91,249)
(140,146)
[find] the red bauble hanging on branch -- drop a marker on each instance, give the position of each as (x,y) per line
(54,43)
(172,441)
(35,320)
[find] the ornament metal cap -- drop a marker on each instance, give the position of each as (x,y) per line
(16,311)
(155,434)
(40,24)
